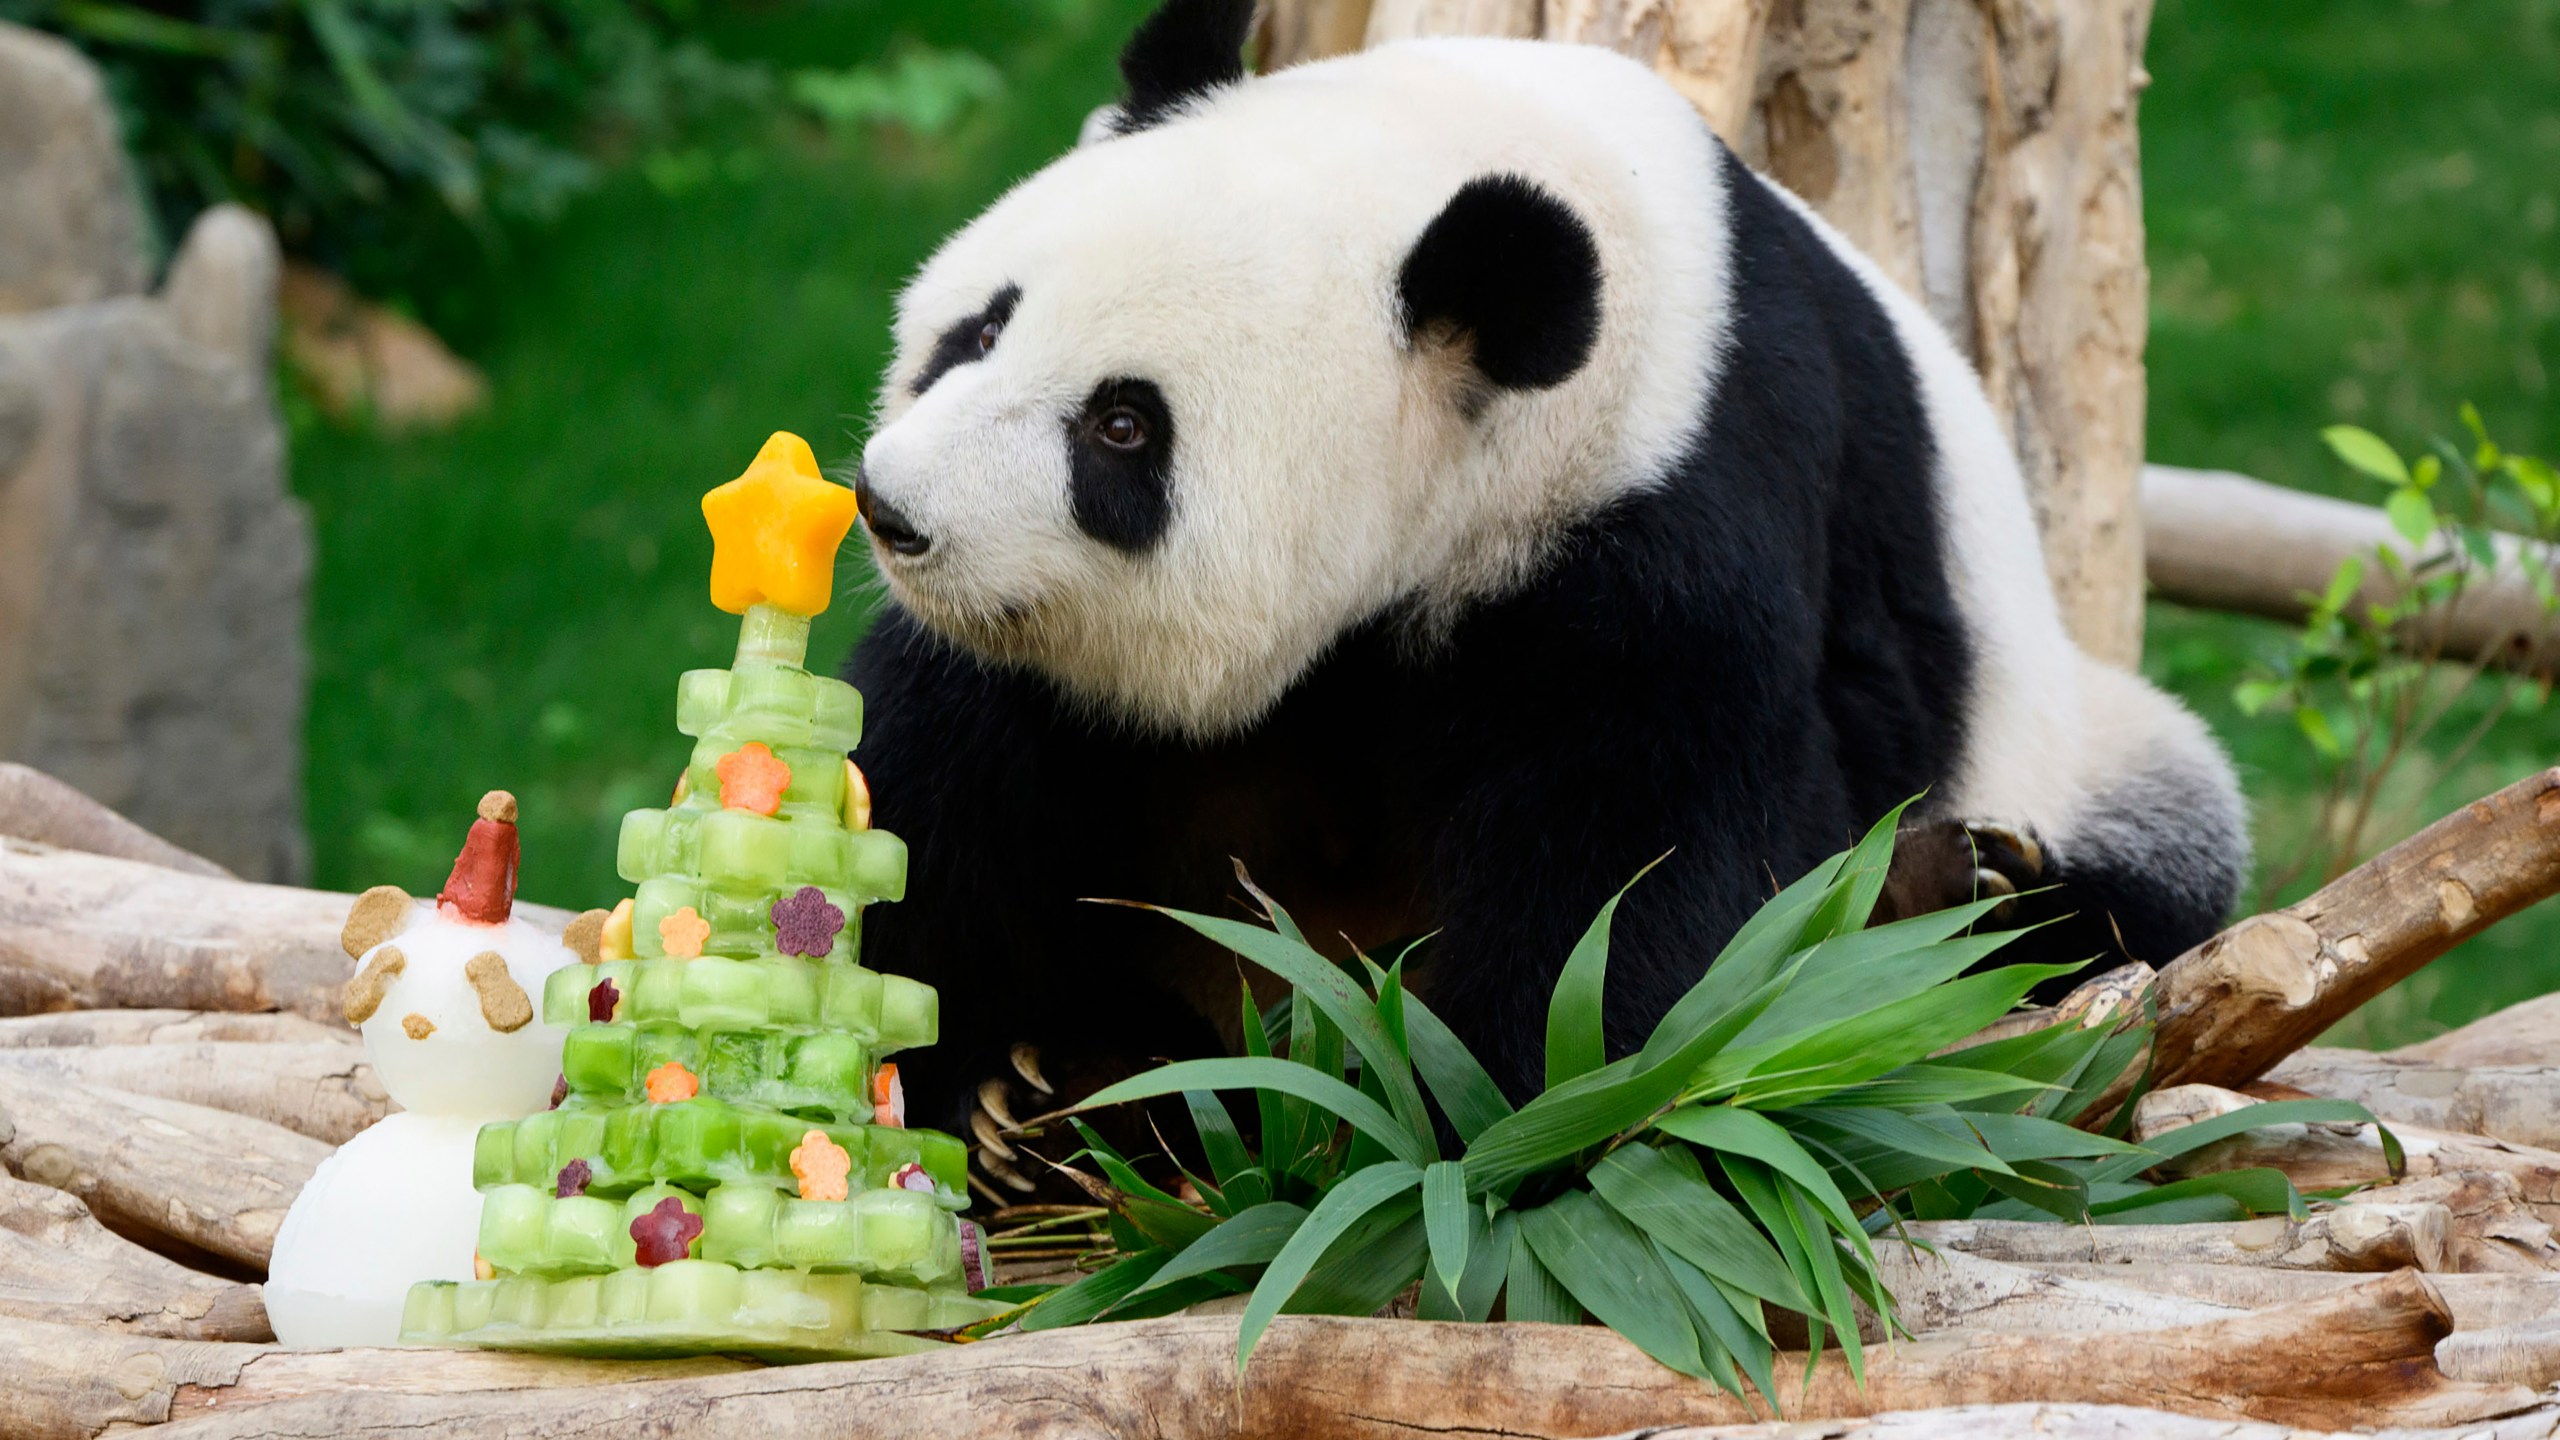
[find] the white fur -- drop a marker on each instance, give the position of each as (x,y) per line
(1231,257)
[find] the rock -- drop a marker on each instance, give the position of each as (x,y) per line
(361,359)
(71,227)
(152,575)
(221,289)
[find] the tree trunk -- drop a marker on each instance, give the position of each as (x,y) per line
(58,1264)
(1982,151)
(324,1090)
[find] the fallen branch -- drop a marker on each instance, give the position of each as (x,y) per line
(2513,1102)
(323,1090)
(81,931)
(179,1178)
(2227,542)
(2362,1356)
(58,1264)
(35,806)
(2084,1422)
(2494,1231)
(1955,1291)
(2329,1157)
(2476,1302)
(2358,1238)
(2237,1004)
(168,1027)
(2526,1354)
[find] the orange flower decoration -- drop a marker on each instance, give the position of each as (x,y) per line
(683,933)
(823,1167)
(672,1082)
(753,778)
(888,1098)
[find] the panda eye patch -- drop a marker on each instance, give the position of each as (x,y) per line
(970,339)
(1120,446)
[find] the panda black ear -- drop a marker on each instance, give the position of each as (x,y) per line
(1186,48)
(1514,271)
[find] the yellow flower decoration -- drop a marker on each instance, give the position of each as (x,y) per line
(683,933)
(775,531)
(613,942)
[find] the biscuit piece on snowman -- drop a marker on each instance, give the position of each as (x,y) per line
(445,990)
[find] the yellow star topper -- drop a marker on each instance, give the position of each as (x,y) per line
(775,531)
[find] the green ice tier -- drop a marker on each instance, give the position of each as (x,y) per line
(888,1013)
(904,1237)
(697,1144)
(689,1307)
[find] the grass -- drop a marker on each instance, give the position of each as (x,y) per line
(2353,213)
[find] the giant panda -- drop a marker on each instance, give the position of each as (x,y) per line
(1444,479)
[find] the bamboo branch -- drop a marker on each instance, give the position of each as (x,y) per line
(57,1263)
(180,1178)
(323,1090)
(2233,1007)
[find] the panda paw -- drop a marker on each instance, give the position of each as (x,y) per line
(996,1163)
(1939,864)
(2007,861)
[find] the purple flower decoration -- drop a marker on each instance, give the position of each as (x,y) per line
(602,1001)
(666,1234)
(559,1091)
(573,1180)
(805,924)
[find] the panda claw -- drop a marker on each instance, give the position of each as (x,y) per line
(990,1137)
(1988,883)
(1026,1063)
(993,1104)
(2015,840)
(994,1167)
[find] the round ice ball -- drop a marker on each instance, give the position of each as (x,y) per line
(431,1036)
(392,1207)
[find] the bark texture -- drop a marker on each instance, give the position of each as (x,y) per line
(1984,153)
(58,1264)
(2520,1103)
(2359,1356)
(321,1089)
(182,1178)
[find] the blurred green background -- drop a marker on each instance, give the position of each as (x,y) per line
(2354,212)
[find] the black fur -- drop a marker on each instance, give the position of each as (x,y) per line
(1184,50)
(1744,666)
(965,342)
(1122,497)
(1515,272)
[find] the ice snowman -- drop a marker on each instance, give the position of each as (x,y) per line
(444,994)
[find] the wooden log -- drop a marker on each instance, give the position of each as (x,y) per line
(81,931)
(2227,542)
(323,1090)
(2523,1354)
(35,806)
(2494,1230)
(2520,1103)
(2361,1356)
(2476,1302)
(2522,1034)
(168,1027)
(2327,1157)
(2358,1238)
(1956,1291)
(2084,1422)
(58,1264)
(180,1178)
(68,1382)
(2233,1007)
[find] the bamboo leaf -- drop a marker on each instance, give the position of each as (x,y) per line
(1576,1044)
(1334,994)
(1467,1095)
(1219,1139)
(1449,1219)
(2367,452)
(1288,1077)
(2188,1138)
(1487,1267)
(1252,1237)
(2246,1193)
(1338,1211)
(1729,1131)
(1605,1264)
(1685,1215)
(1728,1321)
(1530,1293)
(1374,1261)
(1089,1297)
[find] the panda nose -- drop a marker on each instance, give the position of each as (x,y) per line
(887,523)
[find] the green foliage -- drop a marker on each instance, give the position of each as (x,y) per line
(368,130)
(2371,676)
(1790,1107)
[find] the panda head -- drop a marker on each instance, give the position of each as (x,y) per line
(1264,360)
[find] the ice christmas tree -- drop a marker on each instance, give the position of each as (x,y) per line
(727,1165)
